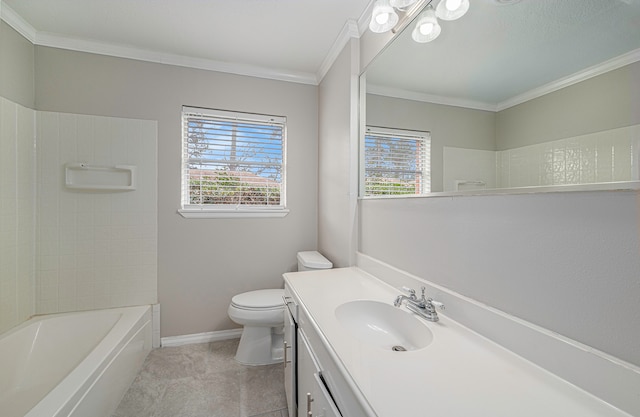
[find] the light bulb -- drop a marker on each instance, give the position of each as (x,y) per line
(426,28)
(382,18)
(452,9)
(452,5)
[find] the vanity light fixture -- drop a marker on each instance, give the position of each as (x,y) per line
(427,28)
(385,18)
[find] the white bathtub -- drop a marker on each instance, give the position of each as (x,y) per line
(72,364)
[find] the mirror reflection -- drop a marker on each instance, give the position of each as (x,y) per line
(529,93)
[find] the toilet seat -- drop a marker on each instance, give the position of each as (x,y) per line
(260,300)
(262,315)
(258,308)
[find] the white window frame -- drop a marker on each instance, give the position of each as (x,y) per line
(189,210)
(401,134)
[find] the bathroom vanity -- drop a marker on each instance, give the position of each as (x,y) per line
(359,356)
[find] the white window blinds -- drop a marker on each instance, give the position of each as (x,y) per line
(397,162)
(232,159)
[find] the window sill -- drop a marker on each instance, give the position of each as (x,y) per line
(231,213)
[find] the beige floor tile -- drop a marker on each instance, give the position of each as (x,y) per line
(203,380)
(262,389)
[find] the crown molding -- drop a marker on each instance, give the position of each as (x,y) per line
(120,51)
(351,29)
(52,40)
(16,21)
(348,32)
(428,98)
(602,68)
(599,69)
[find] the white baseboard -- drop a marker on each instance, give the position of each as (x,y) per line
(206,337)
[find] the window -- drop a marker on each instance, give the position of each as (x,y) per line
(233,164)
(397,162)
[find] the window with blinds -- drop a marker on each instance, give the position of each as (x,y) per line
(232,160)
(396,162)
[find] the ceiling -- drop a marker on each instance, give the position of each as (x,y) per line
(280,37)
(492,54)
(498,52)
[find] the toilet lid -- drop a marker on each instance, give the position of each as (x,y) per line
(259,299)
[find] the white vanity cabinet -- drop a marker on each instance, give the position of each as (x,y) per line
(349,373)
(312,369)
(290,353)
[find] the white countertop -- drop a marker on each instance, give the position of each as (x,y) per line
(460,374)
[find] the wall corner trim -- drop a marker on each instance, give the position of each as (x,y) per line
(349,31)
(16,21)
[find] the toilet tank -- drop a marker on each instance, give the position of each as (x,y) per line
(311,260)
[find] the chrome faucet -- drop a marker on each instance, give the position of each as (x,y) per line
(424,307)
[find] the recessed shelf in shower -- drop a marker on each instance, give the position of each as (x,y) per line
(80,175)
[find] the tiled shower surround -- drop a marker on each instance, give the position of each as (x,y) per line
(63,249)
(608,156)
(17,213)
(96,249)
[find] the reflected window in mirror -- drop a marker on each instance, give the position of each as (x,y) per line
(396,162)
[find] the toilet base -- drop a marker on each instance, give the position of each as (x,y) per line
(260,346)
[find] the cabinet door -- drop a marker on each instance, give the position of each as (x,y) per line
(314,400)
(322,405)
(290,361)
(305,380)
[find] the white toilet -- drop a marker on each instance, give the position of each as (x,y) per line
(261,313)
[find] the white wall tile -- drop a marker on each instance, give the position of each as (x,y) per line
(86,238)
(84,147)
(612,155)
(17,214)
(67,138)
(101,142)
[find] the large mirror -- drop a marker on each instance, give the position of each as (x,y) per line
(543,94)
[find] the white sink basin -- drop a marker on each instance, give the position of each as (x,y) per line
(384,326)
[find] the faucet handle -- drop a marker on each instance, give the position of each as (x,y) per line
(437,304)
(411,291)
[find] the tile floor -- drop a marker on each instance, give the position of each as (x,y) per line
(203,380)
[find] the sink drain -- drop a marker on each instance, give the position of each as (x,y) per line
(399,348)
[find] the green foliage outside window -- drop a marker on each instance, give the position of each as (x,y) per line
(224,188)
(378,187)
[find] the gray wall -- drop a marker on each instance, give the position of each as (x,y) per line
(449,126)
(202,262)
(569,262)
(608,101)
(16,67)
